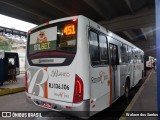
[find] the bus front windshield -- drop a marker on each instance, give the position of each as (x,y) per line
(57,40)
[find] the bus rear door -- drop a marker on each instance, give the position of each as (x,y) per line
(114,71)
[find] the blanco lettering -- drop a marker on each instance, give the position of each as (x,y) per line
(56,73)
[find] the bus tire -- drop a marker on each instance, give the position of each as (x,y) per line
(127,89)
(142,74)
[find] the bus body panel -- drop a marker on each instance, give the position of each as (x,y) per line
(60,82)
(99,79)
(100,88)
(45,83)
(82,67)
(53,87)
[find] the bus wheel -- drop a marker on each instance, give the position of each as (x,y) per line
(142,74)
(127,87)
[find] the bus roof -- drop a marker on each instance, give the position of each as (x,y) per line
(109,33)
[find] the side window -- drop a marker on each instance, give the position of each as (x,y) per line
(98,48)
(113,54)
(94,52)
(132,56)
(142,58)
(139,56)
(129,54)
(135,55)
(103,49)
(124,54)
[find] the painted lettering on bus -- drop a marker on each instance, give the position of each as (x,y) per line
(59,86)
(46,60)
(101,79)
(56,73)
(61,95)
(42,46)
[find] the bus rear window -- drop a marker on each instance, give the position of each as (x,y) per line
(61,36)
(56,40)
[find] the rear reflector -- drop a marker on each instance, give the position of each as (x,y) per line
(78,90)
(92,101)
(29,97)
(68,107)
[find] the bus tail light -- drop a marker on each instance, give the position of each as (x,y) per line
(74,20)
(78,90)
(25,81)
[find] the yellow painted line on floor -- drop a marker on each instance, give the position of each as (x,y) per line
(11,90)
(135,98)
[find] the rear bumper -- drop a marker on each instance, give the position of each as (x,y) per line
(80,109)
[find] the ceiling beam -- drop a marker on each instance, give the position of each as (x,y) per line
(147,32)
(144,18)
(23,8)
(128,35)
(143,42)
(130,6)
(93,5)
(57,6)
(144,33)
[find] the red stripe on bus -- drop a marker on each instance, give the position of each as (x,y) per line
(46,86)
(46,89)
(110,70)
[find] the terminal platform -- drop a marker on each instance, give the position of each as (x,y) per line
(144,102)
(13,87)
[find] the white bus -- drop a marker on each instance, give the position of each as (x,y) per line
(75,64)
(149,62)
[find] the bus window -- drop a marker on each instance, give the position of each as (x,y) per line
(103,49)
(129,54)
(138,56)
(135,55)
(53,45)
(94,52)
(142,58)
(124,55)
(113,54)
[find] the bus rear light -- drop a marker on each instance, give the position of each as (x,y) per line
(25,81)
(74,20)
(78,90)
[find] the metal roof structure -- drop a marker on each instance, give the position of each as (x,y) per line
(12,32)
(134,20)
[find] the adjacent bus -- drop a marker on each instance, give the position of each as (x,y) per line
(149,62)
(75,64)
